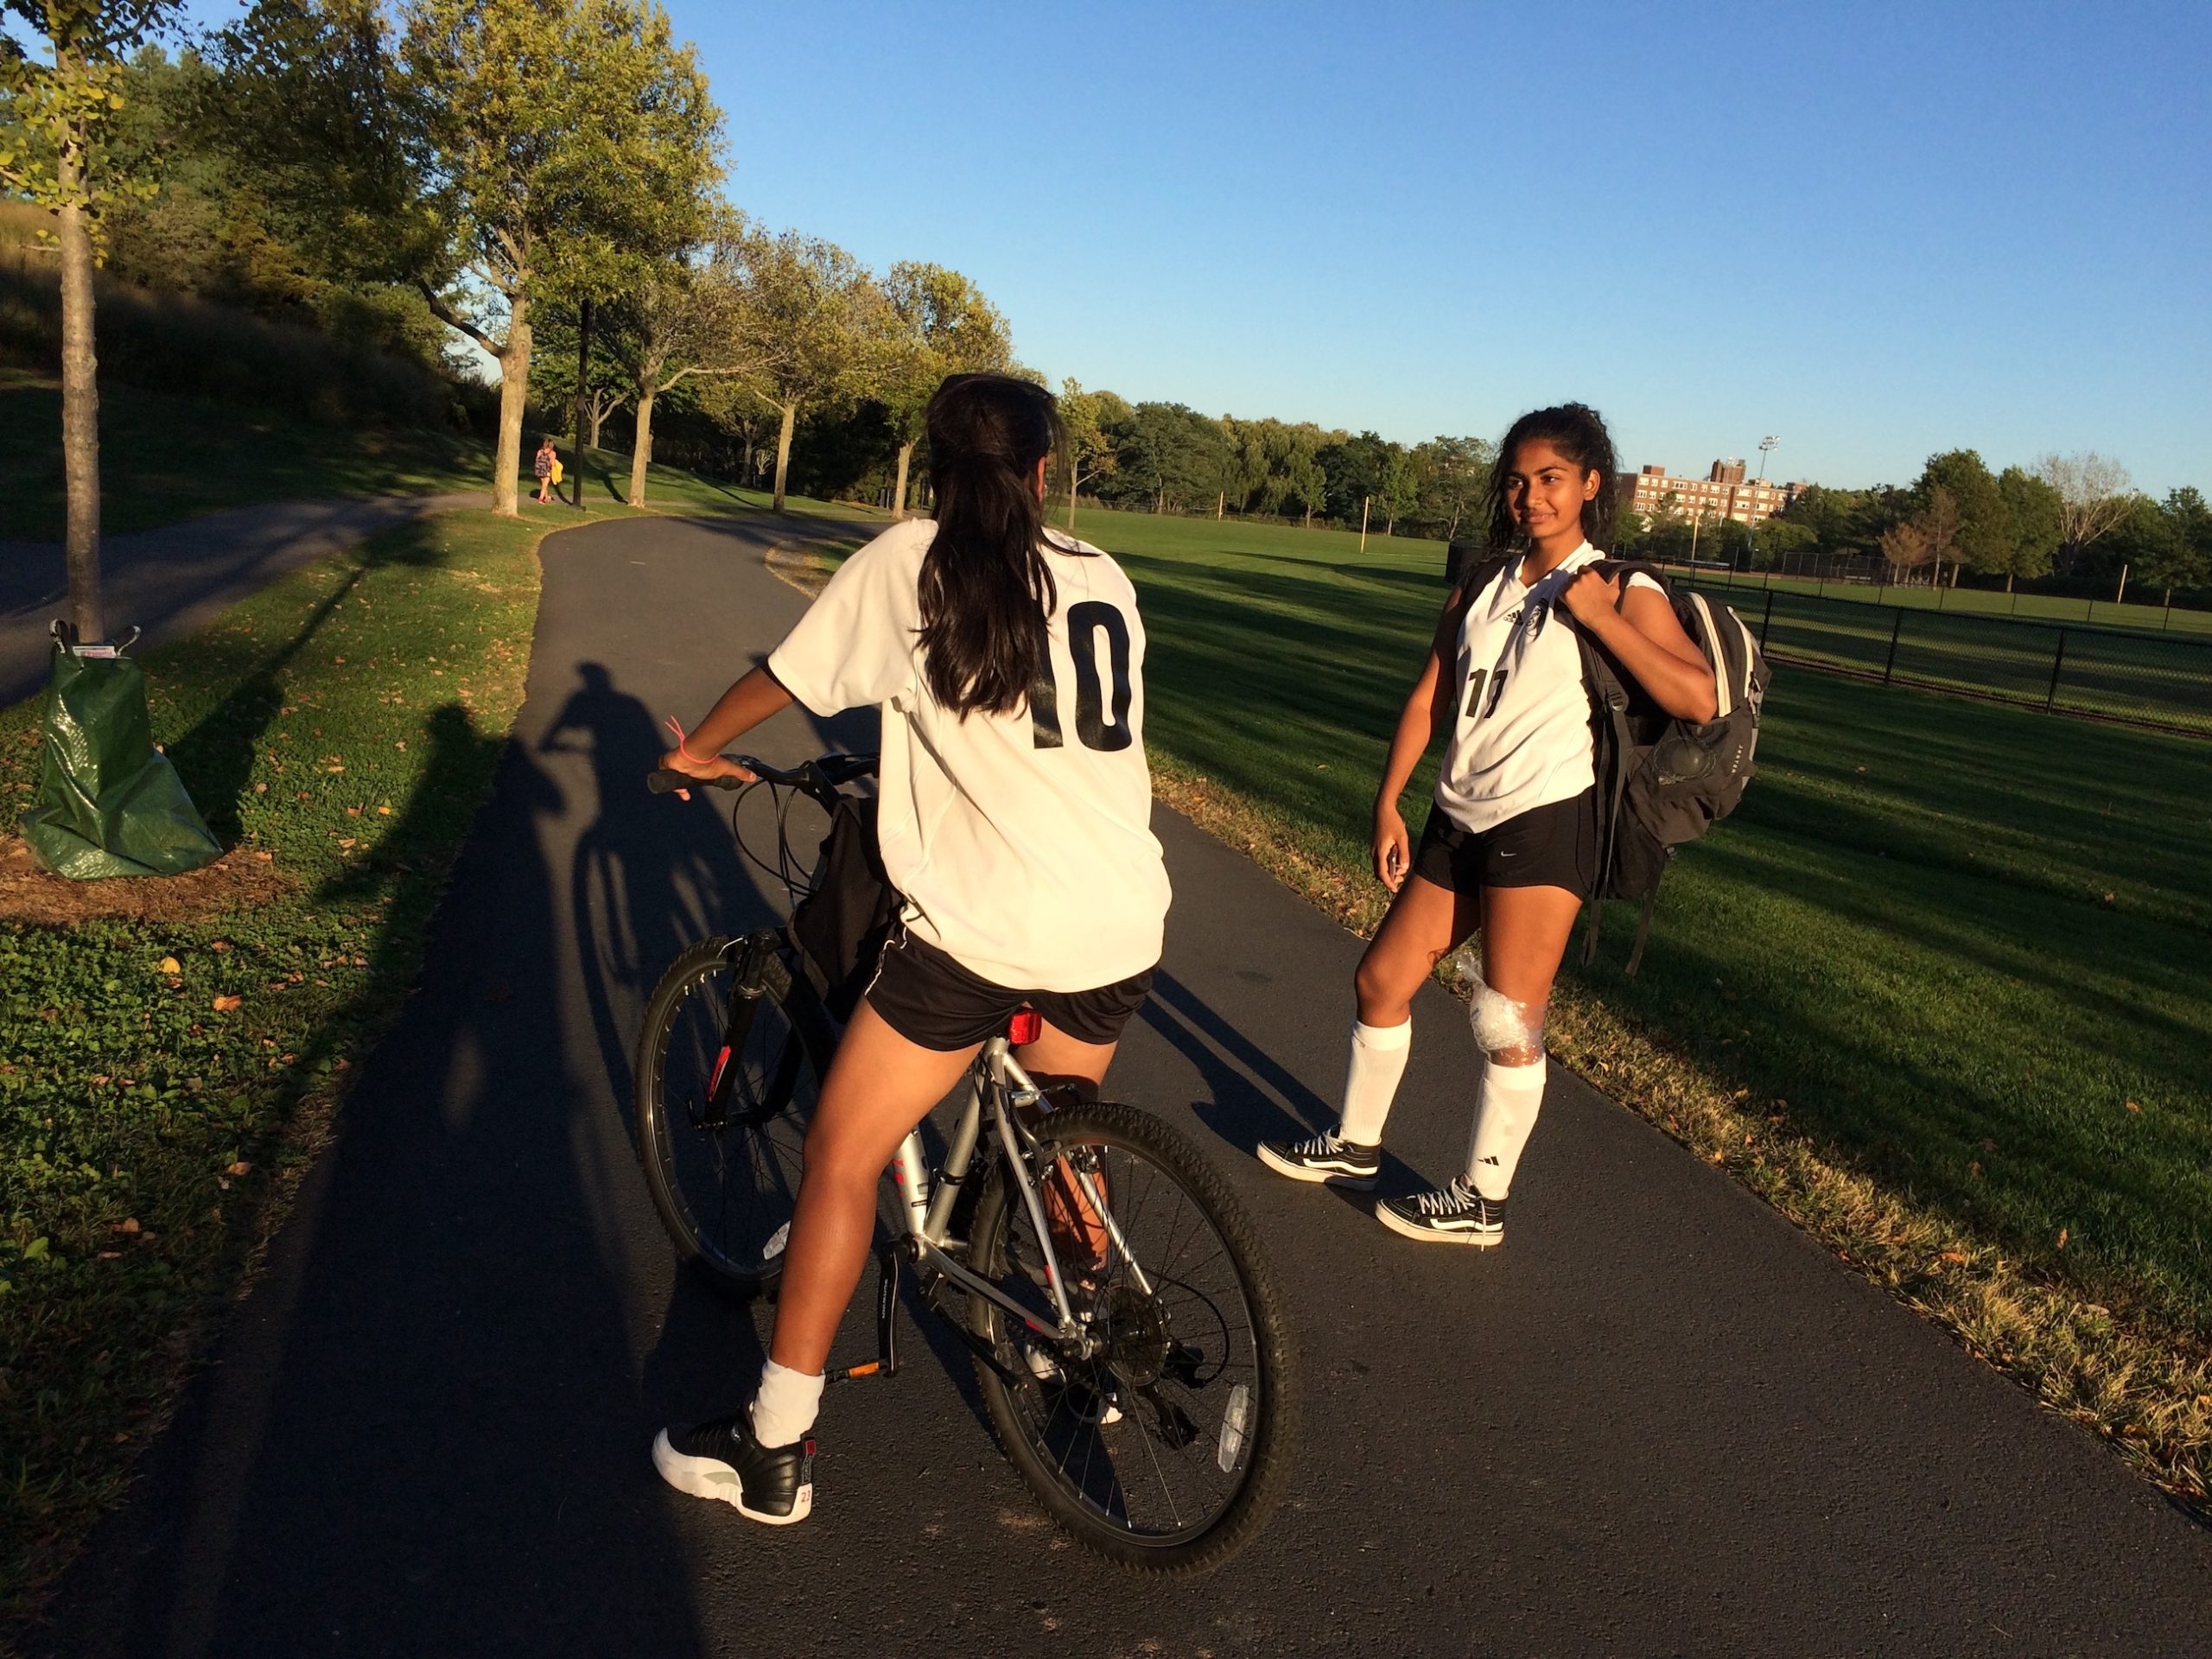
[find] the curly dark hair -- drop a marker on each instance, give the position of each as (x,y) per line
(1578,432)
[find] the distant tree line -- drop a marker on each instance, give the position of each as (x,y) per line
(2070,517)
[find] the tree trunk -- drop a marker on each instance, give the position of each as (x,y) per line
(514,391)
(784,452)
(898,490)
(80,404)
(1075,489)
(584,376)
(641,447)
(600,410)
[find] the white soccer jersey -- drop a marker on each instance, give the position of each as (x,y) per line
(1022,841)
(1521,723)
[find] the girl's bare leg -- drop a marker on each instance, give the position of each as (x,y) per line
(879,1087)
(1425,925)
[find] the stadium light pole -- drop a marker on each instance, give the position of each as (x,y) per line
(1751,538)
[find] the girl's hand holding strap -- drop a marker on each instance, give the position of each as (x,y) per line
(1639,627)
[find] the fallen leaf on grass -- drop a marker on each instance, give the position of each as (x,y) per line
(2132,1107)
(1956,1257)
(240,1168)
(2061,1238)
(127,1225)
(226,1004)
(1974,1169)
(170,965)
(385,811)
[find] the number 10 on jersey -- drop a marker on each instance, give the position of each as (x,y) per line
(1085,622)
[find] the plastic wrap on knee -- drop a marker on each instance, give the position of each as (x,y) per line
(1502,1025)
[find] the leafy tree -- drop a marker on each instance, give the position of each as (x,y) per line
(1450,475)
(1087,417)
(564,144)
(810,325)
(941,325)
(1355,466)
(60,109)
(2191,562)
(2146,543)
(1986,537)
(2036,523)
(1398,491)
(682,318)
(1170,454)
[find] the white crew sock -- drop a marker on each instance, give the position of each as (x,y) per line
(1511,1096)
(786,1405)
(1378,1060)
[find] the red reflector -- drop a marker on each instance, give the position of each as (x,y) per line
(1026,1027)
(716,1081)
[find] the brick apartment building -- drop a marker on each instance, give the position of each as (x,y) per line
(1721,493)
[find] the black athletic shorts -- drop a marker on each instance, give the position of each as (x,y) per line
(1554,846)
(931,999)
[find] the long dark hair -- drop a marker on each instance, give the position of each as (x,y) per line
(1578,432)
(986,590)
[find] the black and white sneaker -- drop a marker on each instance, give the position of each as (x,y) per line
(1458,1215)
(1324,1158)
(721,1460)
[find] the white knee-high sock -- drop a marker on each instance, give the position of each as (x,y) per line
(786,1405)
(1511,1096)
(1378,1060)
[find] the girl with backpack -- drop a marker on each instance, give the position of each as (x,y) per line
(1015,822)
(1510,847)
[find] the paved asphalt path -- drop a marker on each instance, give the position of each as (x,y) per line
(177,578)
(1659,1420)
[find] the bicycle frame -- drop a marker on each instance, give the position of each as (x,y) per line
(929,1206)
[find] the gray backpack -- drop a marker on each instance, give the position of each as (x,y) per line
(1661,782)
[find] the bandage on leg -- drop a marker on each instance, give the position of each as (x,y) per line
(1379,1061)
(1504,1025)
(1511,1096)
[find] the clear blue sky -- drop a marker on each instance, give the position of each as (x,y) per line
(1877,230)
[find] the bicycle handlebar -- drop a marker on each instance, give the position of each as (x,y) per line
(821,777)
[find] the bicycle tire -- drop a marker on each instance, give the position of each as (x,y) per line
(700,1171)
(1268,1434)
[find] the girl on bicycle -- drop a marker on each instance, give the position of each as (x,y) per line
(1015,821)
(1511,847)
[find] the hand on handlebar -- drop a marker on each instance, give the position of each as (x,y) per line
(707,769)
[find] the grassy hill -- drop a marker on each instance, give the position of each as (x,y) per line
(165,458)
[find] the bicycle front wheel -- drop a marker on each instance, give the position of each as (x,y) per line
(1164,1447)
(725,1089)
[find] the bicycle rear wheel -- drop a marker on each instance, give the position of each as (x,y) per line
(725,1088)
(1165,1448)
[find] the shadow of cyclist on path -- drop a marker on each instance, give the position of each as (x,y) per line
(647,878)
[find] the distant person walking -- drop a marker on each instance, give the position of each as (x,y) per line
(1511,847)
(547,466)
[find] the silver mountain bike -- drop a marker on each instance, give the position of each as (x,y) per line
(1128,1340)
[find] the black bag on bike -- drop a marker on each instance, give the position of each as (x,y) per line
(839,928)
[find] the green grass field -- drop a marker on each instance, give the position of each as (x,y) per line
(1966,944)
(164,459)
(2141,612)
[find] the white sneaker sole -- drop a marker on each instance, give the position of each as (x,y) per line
(1319,1177)
(709,1478)
(1391,1219)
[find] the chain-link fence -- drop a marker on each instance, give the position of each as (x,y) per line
(2105,673)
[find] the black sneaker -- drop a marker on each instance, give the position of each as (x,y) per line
(721,1460)
(1324,1158)
(1458,1215)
